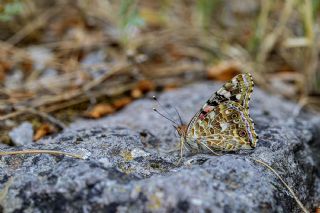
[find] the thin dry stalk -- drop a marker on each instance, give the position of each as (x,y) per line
(69,95)
(311,63)
(268,43)
(51,152)
(76,93)
(48,117)
(284,183)
(32,26)
(12,115)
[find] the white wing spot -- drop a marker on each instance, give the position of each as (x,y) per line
(227,95)
(238,96)
(221,91)
(212,115)
(224,126)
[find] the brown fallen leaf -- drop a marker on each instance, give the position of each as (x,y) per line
(4,69)
(224,71)
(43,130)
(146,86)
(136,93)
(141,88)
(100,110)
(2,75)
(171,86)
(27,65)
(122,102)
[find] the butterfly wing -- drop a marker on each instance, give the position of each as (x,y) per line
(239,90)
(223,122)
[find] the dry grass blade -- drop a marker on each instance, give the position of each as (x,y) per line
(12,115)
(284,183)
(51,152)
(48,117)
(44,115)
(69,96)
(82,90)
(37,23)
(268,43)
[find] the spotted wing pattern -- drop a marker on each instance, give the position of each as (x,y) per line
(223,123)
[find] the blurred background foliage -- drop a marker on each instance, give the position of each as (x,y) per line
(63,59)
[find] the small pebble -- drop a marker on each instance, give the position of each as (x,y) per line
(22,135)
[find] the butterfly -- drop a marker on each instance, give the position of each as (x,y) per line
(223,123)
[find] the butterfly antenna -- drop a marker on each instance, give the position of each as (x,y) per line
(157,111)
(180,119)
(163,108)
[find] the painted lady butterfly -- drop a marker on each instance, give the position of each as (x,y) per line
(223,123)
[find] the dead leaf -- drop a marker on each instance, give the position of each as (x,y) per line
(2,75)
(142,87)
(43,130)
(136,93)
(146,86)
(122,102)
(224,71)
(100,110)
(4,69)
(27,65)
(171,86)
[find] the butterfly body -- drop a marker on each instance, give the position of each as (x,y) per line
(223,123)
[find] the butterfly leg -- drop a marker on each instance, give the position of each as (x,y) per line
(182,140)
(205,145)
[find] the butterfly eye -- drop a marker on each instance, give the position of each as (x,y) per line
(242,133)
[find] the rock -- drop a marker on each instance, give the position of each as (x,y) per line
(131,164)
(22,135)
(94,58)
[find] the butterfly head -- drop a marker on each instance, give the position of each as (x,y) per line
(182,130)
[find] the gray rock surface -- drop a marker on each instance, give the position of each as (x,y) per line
(22,134)
(130,165)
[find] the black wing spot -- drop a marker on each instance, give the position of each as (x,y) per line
(212,103)
(233,98)
(220,97)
